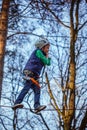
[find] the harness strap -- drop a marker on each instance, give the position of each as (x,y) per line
(33,80)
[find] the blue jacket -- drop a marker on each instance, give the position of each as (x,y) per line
(34,64)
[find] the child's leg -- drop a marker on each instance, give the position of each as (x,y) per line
(37,105)
(23,92)
(36,95)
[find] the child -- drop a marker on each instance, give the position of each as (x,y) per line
(38,59)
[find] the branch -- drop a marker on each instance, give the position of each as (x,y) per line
(76,14)
(2,122)
(82,25)
(84,122)
(56,17)
(52,97)
(45,123)
(71,14)
(29,33)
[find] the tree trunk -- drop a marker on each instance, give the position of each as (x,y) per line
(3,36)
(66,125)
(70,112)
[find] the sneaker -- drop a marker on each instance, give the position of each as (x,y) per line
(17,106)
(40,108)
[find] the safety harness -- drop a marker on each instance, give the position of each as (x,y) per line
(28,75)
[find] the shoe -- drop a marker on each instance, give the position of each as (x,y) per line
(17,106)
(40,108)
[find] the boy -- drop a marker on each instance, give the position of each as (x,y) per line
(38,59)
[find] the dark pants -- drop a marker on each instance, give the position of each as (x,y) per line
(28,85)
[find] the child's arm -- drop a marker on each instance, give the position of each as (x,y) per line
(44,59)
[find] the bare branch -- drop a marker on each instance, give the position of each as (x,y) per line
(84,122)
(82,25)
(52,97)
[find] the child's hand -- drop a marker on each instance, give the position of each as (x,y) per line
(47,55)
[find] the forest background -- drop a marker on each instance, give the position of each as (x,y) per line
(64,90)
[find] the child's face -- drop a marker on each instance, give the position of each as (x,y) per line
(46,49)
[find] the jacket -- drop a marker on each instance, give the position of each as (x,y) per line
(37,61)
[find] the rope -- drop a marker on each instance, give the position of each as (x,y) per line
(42,75)
(43,110)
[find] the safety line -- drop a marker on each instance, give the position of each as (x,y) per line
(44,109)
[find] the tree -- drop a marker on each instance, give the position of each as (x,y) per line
(3,35)
(69,89)
(69,60)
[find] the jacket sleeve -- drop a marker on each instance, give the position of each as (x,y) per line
(43,58)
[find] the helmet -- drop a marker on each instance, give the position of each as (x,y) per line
(41,43)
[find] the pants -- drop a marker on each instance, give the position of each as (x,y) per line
(27,86)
